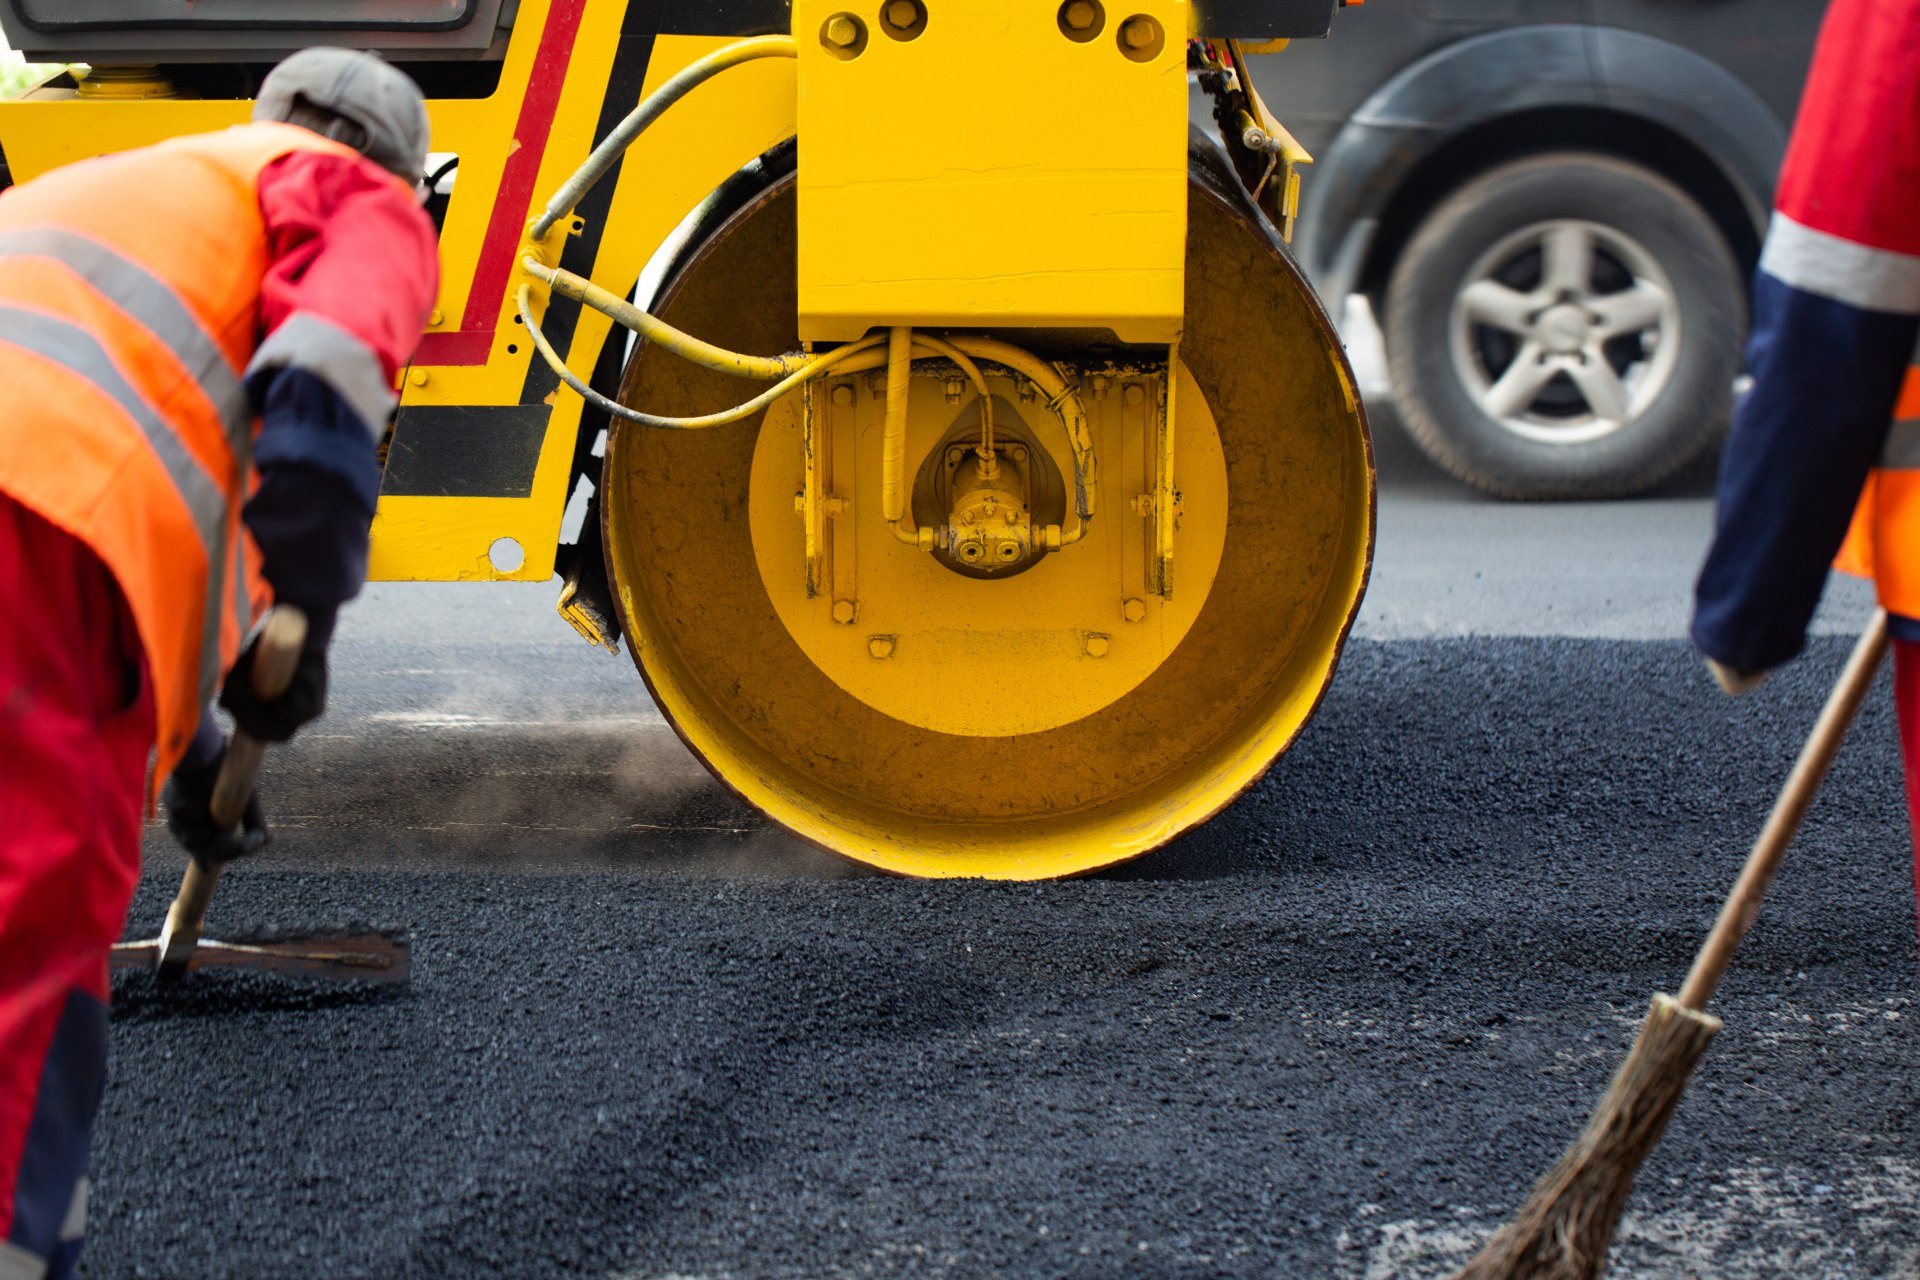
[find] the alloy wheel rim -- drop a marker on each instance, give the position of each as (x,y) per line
(1565,331)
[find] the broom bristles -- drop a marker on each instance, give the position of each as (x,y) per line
(1563,1230)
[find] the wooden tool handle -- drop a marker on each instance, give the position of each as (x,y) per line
(276,656)
(1784,822)
(186,918)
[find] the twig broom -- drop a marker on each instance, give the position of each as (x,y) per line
(1563,1230)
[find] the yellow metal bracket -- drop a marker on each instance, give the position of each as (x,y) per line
(812,513)
(583,619)
(1163,491)
(1157,502)
(1261,131)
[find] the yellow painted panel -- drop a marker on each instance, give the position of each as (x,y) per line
(992,171)
(672,168)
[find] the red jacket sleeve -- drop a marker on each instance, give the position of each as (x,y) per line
(1853,166)
(1836,306)
(350,245)
(353,272)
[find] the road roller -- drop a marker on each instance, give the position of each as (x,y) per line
(972,476)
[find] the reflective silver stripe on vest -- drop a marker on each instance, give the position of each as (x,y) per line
(153,303)
(73,348)
(74,1226)
(242,602)
(311,342)
(17,1263)
(1902,450)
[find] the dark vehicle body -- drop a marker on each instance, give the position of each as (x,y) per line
(1414,100)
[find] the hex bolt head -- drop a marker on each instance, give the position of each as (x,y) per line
(1140,33)
(880,646)
(843,612)
(1097,645)
(1080,15)
(1135,395)
(1133,609)
(1018,453)
(956,454)
(903,13)
(842,395)
(418,377)
(842,31)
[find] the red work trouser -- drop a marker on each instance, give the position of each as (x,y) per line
(76,727)
(1906,699)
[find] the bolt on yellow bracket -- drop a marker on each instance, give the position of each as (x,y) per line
(1039,179)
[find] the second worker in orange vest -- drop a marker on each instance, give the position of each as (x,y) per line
(198,344)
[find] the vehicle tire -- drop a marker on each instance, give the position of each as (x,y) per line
(1565,326)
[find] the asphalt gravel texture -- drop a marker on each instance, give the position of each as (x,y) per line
(1337,1032)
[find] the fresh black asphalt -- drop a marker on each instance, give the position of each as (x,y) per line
(1337,1032)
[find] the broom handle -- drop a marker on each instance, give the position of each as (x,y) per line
(1784,822)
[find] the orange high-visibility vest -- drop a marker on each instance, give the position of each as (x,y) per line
(129,309)
(1883,543)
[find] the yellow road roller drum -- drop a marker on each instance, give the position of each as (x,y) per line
(976,482)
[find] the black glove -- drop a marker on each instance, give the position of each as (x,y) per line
(277,719)
(189,798)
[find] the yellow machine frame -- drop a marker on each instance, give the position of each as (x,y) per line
(875,231)
(475,354)
(1015,727)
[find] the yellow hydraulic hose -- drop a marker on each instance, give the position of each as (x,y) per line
(972,371)
(659,332)
(1063,400)
(649,110)
(794,368)
(818,366)
(901,344)
(857,357)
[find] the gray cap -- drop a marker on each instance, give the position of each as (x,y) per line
(385,116)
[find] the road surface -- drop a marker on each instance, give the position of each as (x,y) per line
(1335,1033)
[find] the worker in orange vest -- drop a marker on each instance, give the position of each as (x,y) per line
(199,342)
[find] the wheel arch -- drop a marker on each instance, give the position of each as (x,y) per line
(1600,131)
(1486,101)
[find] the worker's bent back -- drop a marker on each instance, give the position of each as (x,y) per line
(129,303)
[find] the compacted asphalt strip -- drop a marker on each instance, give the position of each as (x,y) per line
(1337,1032)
